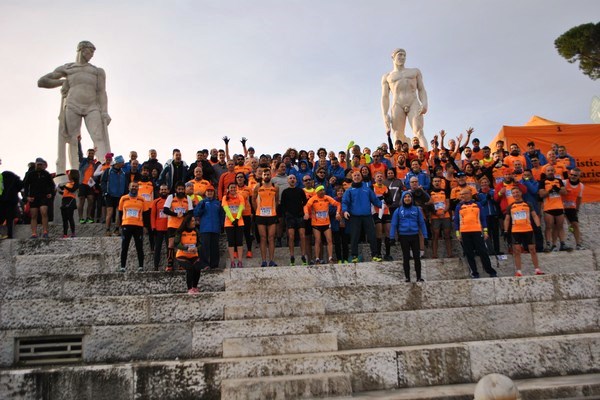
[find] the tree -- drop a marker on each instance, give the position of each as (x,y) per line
(582,43)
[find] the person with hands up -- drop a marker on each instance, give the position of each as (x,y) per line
(233,205)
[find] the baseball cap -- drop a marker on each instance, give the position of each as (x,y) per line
(40,160)
(119,159)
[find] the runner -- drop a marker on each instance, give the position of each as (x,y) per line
(175,207)
(131,209)
(38,190)
(293,200)
(382,216)
(572,203)
(317,209)
(517,223)
(246,191)
(440,217)
(69,203)
(233,205)
(265,201)
(551,190)
(188,243)
(159,224)
(211,214)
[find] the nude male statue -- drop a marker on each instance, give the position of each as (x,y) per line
(404,84)
(83,89)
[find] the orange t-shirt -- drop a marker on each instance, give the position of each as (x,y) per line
(233,205)
(132,209)
(573,193)
(146,190)
(469,217)
(318,209)
(265,201)
(553,201)
(188,238)
(158,218)
(439,204)
(520,216)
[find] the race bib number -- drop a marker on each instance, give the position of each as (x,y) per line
(520,215)
(439,205)
(266,211)
(132,213)
(180,210)
(234,209)
(553,195)
(508,193)
(91,182)
(499,179)
(146,196)
(569,204)
(191,247)
(322,214)
(161,214)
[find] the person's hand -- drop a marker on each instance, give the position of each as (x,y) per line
(305,217)
(244,140)
(106,118)
(338,216)
(485,236)
(79,138)
(459,138)
(459,236)
(388,132)
(346,215)
(470,131)
(226,140)
(234,222)
(442,133)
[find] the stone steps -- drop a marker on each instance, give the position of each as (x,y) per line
(139,340)
(287,387)
(100,309)
(279,344)
(423,368)
(574,387)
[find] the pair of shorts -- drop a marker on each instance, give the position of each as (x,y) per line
(171,232)
(85,190)
(235,236)
(443,223)
(555,213)
(523,238)
(292,222)
(572,214)
(111,201)
(40,201)
(258,220)
(321,228)
(385,219)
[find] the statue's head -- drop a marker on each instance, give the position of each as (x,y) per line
(85,45)
(396,51)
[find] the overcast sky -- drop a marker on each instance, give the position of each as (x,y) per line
(284,74)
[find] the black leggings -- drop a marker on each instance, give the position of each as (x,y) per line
(408,243)
(67,210)
(160,237)
(192,266)
(127,232)
(248,231)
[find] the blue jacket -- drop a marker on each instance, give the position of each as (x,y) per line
(407,220)
(539,154)
(531,195)
(358,200)
(338,173)
(424,180)
(488,204)
(211,215)
(114,182)
(301,173)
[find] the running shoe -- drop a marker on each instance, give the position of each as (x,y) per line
(272,263)
(249,254)
(564,247)
(420,280)
(304,262)
(2,237)
(317,261)
(354,260)
(65,236)
(232,264)
(376,259)
(122,270)
(169,269)
(140,269)
(518,273)
(45,235)
(72,235)
(539,271)
(292,261)
(191,291)
(82,220)
(579,247)
(388,258)
(331,260)
(554,249)
(263,264)
(89,221)
(240,264)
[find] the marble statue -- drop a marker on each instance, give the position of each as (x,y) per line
(409,99)
(83,89)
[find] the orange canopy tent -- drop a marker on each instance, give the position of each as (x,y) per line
(581,140)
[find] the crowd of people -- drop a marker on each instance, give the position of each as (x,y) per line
(320,202)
